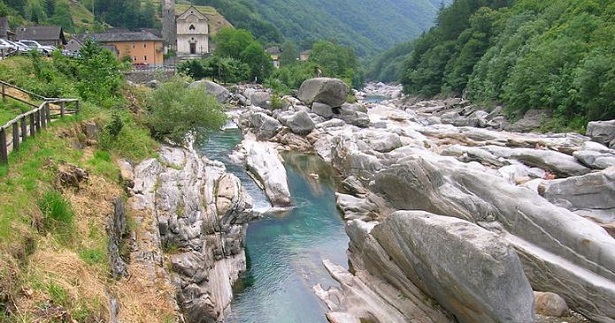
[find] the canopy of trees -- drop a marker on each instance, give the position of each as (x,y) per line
(366,26)
(525,54)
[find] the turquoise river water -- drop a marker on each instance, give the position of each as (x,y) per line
(285,251)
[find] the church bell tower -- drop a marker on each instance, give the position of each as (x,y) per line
(169,29)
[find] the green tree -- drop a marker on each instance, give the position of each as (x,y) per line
(289,53)
(175,111)
(336,60)
(232,42)
(100,74)
(259,62)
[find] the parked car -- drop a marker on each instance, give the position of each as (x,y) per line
(140,66)
(33,44)
(21,48)
(6,47)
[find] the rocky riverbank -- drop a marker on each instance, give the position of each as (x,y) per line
(193,216)
(450,216)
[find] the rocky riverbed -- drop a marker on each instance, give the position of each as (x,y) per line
(451,215)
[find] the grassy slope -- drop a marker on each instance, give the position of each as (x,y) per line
(54,268)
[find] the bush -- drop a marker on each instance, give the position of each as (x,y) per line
(175,111)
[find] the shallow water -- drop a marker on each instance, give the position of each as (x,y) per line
(285,251)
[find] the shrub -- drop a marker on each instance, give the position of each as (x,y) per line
(175,111)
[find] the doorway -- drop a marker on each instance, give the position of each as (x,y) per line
(192,48)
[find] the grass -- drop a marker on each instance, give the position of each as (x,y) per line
(58,216)
(53,242)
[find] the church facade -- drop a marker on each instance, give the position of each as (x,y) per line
(186,33)
(192,33)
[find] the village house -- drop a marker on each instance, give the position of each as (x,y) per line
(274,52)
(142,47)
(44,35)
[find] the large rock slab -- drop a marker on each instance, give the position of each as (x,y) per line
(595,191)
(212,88)
(602,132)
(265,164)
(583,253)
(330,91)
(556,162)
(470,271)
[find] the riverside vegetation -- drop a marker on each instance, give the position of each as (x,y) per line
(53,244)
(551,55)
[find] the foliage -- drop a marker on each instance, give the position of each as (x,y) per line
(336,60)
(131,14)
(525,54)
(175,111)
(240,45)
(387,66)
(287,78)
(99,74)
(238,57)
(289,53)
(126,138)
(365,26)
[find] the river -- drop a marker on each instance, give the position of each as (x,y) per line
(285,251)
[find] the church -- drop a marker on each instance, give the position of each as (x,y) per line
(186,33)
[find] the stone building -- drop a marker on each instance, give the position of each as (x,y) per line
(192,33)
(186,33)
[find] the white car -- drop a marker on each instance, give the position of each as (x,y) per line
(33,44)
(22,48)
(6,47)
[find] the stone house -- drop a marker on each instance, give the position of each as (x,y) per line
(44,35)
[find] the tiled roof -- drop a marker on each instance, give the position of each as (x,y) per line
(124,36)
(39,32)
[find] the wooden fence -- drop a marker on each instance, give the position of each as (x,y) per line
(33,122)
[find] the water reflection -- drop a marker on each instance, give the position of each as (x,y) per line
(285,254)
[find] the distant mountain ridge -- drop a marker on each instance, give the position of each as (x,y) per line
(367,26)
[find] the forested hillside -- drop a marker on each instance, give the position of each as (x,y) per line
(557,55)
(368,27)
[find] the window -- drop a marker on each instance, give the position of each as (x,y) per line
(133,45)
(145,58)
(191,27)
(144,45)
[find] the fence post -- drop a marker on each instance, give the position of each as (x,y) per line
(32,129)
(62,106)
(37,121)
(77,109)
(43,115)
(4,153)
(24,128)
(3,92)
(15,136)
(48,113)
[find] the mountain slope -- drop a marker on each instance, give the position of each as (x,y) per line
(368,27)
(524,54)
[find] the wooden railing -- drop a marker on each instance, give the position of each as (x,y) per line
(31,123)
